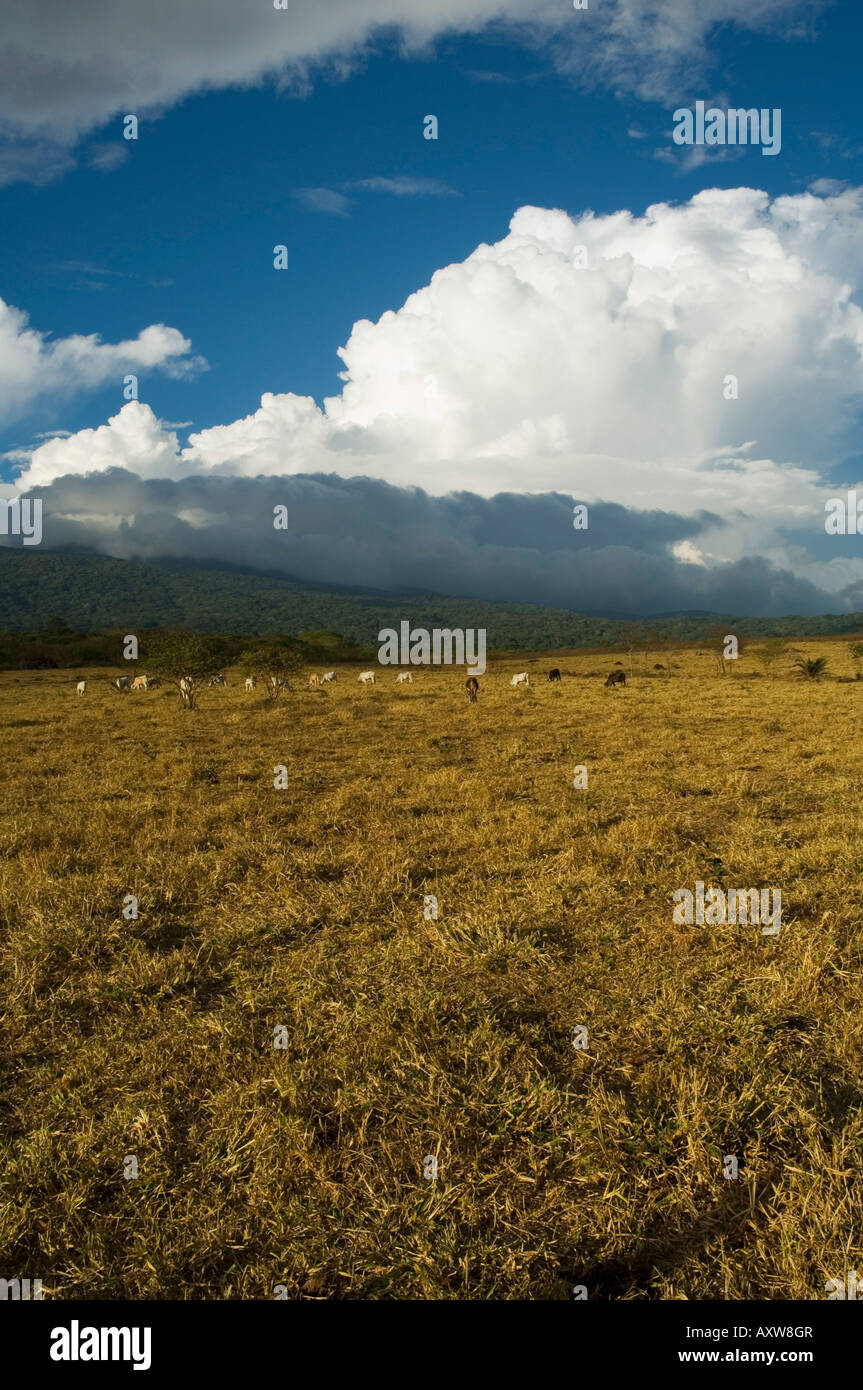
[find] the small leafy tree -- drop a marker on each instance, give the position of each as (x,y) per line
(770,654)
(186,660)
(811,667)
(856,650)
(275,663)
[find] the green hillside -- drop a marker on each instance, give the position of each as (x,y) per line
(94,593)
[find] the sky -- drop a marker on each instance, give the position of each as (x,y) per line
(550,303)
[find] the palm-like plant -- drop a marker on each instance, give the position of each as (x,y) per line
(811,667)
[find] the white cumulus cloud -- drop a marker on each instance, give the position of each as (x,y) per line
(133,433)
(589,355)
(33,366)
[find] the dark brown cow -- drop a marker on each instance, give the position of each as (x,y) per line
(616,678)
(554,674)
(471,685)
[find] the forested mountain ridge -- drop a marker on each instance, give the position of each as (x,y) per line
(95,593)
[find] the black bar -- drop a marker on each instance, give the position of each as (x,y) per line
(289,1339)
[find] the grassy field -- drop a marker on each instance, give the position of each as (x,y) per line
(410,1037)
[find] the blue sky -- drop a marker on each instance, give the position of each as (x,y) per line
(178,227)
(182,232)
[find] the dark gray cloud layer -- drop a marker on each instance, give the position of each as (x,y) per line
(366,533)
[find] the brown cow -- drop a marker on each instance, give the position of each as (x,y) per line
(616,678)
(471,685)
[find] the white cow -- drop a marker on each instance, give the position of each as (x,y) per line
(141,683)
(366,678)
(186,685)
(250,682)
(327,677)
(124,683)
(521,679)
(404,677)
(81,687)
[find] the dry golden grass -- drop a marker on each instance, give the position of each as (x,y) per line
(409,1037)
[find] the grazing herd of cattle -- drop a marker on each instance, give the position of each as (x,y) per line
(127,683)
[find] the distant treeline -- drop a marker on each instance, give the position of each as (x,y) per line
(59,647)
